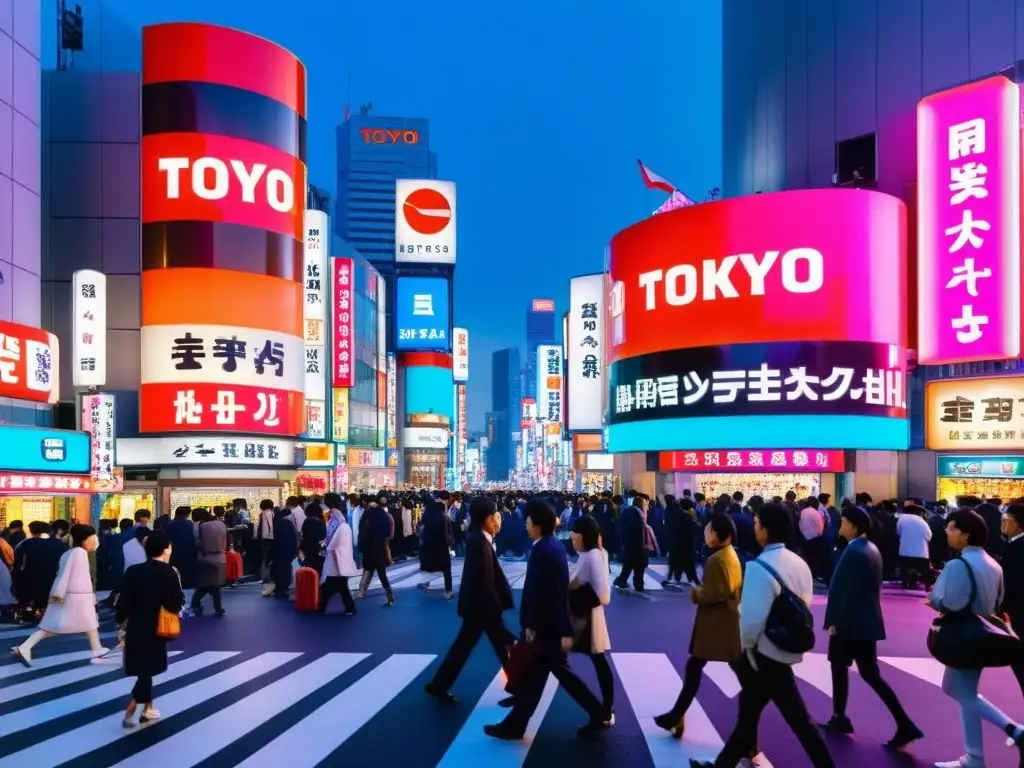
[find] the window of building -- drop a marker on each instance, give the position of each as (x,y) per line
(856,163)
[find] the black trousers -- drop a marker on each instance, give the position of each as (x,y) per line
(605,681)
(197,596)
(691,684)
(142,691)
(465,641)
(865,655)
(771,682)
(336,585)
(921,565)
(680,560)
(634,562)
(528,698)
(382,576)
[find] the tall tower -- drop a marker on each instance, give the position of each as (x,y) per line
(540,329)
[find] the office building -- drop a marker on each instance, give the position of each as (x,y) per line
(318,199)
(506,397)
(540,329)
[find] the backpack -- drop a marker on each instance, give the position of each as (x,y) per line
(790,624)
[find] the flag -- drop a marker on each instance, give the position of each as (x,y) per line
(347,113)
(654,181)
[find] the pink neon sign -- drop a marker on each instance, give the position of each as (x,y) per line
(968,256)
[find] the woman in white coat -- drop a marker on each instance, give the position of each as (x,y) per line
(591,569)
(72,607)
(339,561)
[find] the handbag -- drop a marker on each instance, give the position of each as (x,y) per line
(520,658)
(168,625)
(790,625)
(967,640)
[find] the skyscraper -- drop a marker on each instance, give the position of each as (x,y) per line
(540,329)
(506,395)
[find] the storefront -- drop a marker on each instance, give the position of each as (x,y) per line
(976,427)
(368,470)
(595,472)
(135,494)
(209,470)
(704,367)
(44,474)
(316,476)
(426,455)
(765,473)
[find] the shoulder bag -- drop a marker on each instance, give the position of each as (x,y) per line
(967,640)
(790,624)
(168,624)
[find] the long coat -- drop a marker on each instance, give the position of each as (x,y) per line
(340,560)
(77,611)
(373,538)
(213,562)
(716,628)
(147,588)
(436,541)
(184,552)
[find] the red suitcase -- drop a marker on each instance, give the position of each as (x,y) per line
(233,570)
(307,589)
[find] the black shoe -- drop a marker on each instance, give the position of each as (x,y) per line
(674,725)
(445,697)
(593,727)
(503,732)
(219,614)
(838,724)
(1015,738)
(904,735)
(390,602)
(700,764)
(508,702)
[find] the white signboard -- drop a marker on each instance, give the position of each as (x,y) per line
(205,450)
(316,373)
(89,329)
(424,437)
(316,297)
(549,383)
(316,419)
(460,354)
(317,239)
(425,221)
(585,353)
(98,420)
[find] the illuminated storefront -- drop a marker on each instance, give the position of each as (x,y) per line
(316,475)
(368,470)
(745,376)
(44,474)
(426,442)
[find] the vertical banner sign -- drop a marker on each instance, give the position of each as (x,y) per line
(968,252)
(342,325)
(314,318)
(382,325)
(549,383)
(98,419)
(584,353)
(89,329)
(392,401)
(461,460)
(460,354)
(340,403)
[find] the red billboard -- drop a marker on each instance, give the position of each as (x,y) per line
(343,324)
(543,305)
(810,265)
(29,363)
(223,192)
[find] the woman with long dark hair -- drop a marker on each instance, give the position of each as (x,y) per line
(286,549)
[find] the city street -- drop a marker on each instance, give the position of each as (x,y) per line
(265,685)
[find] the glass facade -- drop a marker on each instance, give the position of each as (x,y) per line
(366,400)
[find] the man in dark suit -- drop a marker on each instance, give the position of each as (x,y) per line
(1012,526)
(544,618)
(634,544)
(483,596)
(853,618)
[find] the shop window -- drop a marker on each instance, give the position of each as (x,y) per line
(856,163)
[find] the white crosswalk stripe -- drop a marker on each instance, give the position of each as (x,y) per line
(247,690)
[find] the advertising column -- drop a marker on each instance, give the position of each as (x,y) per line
(223,338)
(341,359)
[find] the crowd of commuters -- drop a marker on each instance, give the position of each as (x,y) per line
(759,561)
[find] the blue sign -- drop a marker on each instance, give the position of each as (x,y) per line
(31,449)
(421,314)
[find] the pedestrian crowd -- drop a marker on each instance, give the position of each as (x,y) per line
(750,566)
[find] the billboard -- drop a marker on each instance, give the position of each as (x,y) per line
(460,438)
(425,221)
(98,419)
(543,305)
(460,354)
(968,223)
(984,414)
(753,461)
(342,323)
(585,353)
(392,401)
(549,383)
(711,320)
(57,451)
(29,363)
(340,414)
(315,301)
(223,190)
(89,329)
(421,313)
(528,411)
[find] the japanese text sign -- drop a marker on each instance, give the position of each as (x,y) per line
(31,449)
(98,419)
(29,363)
(585,353)
(205,449)
(421,314)
(89,329)
(343,323)
(315,267)
(974,414)
(340,420)
(22,483)
(460,354)
(392,401)
(173,407)
(968,253)
(805,460)
(549,383)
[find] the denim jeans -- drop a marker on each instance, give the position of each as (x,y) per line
(961,685)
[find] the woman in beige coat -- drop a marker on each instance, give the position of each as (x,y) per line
(591,570)
(716,628)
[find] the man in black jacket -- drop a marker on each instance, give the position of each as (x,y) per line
(483,596)
(634,544)
(853,618)
(1012,526)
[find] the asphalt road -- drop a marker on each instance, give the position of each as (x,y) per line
(267,683)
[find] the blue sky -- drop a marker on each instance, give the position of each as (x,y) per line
(538,111)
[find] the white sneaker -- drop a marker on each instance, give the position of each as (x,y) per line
(961,762)
(149,714)
(97,656)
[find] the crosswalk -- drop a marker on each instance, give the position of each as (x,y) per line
(252,709)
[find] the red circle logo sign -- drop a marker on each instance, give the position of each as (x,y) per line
(427,211)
